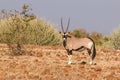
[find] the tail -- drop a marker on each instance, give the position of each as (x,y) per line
(94,51)
(93,55)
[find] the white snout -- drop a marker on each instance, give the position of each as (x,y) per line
(63,38)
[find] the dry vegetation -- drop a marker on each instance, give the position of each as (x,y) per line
(50,63)
(20,61)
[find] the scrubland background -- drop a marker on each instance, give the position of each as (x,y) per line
(31,49)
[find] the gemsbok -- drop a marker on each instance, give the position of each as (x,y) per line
(72,43)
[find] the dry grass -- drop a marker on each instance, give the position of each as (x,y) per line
(50,63)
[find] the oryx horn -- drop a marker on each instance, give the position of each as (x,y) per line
(62,26)
(68,25)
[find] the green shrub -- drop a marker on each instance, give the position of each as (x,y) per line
(42,33)
(79,33)
(115,39)
(112,41)
(19,28)
(37,32)
(107,42)
(97,37)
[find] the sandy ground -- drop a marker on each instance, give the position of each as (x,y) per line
(50,63)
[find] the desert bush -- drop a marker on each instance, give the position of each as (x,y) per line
(106,44)
(115,39)
(97,37)
(19,28)
(36,32)
(42,33)
(14,28)
(112,41)
(79,33)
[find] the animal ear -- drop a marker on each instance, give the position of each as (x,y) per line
(60,32)
(69,36)
(69,32)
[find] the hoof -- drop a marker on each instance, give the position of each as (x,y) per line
(91,63)
(69,62)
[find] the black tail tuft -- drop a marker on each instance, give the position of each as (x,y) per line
(94,48)
(94,52)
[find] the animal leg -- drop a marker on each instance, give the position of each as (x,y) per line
(89,52)
(91,61)
(69,57)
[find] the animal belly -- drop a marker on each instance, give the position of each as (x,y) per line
(77,46)
(70,47)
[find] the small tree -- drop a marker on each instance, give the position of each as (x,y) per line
(17,23)
(19,28)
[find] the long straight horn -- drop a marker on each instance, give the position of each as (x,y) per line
(68,25)
(62,26)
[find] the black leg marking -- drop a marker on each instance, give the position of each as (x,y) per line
(69,52)
(89,51)
(69,56)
